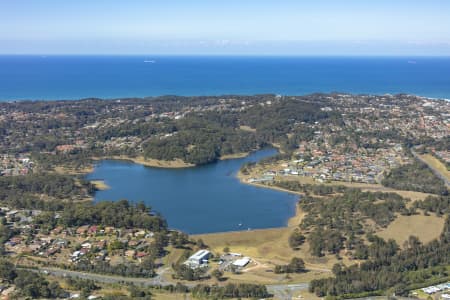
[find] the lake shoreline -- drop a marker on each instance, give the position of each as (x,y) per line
(243,179)
(166,164)
(235,155)
(101,185)
(292,222)
(155,163)
(164,185)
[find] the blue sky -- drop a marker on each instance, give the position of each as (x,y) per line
(319,27)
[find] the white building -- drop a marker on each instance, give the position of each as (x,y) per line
(198,258)
(242,262)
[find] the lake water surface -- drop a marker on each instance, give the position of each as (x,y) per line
(198,200)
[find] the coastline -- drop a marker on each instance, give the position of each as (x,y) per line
(70,171)
(243,179)
(234,156)
(166,164)
(100,185)
(292,222)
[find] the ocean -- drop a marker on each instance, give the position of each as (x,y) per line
(76,77)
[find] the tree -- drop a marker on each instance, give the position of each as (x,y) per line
(296,239)
(35,286)
(217,274)
(178,239)
(7,270)
(148,265)
(337,268)
(297,265)
(200,244)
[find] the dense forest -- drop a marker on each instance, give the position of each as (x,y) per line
(415,177)
(243,290)
(338,222)
(29,284)
(390,270)
(316,189)
(202,139)
(207,127)
(28,191)
(118,214)
(145,269)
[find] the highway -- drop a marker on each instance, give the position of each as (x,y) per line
(154,281)
(280,291)
(433,169)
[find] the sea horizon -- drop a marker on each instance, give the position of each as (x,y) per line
(80,76)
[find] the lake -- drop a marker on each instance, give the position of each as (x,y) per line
(202,199)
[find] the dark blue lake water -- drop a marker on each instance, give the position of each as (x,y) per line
(75,77)
(198,200)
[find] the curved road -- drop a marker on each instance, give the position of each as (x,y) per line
(154,281)
(280,291)
(433,169)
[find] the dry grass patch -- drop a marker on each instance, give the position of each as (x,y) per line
(100,185)
(266,276)
(170,296)
(247,128)
(305,295)
(148,162)
(173,256)
(426,228)
(255,243)
(175,164)
(71,171)
(234,156)
(437,164)
(414,196)
(270,247)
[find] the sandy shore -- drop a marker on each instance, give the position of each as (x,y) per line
(70,171)
(244,179)
(100,185)
(234,156)
(173,164)
(292,222)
